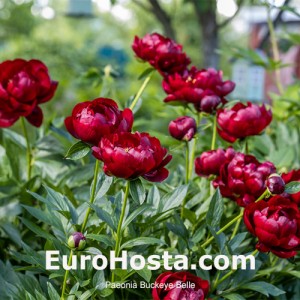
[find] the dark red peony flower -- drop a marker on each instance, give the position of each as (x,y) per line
(24,85)
(242,120)
(162,53)
(293,175)
(130,155)
(204,88)
(276,224)
(178,286)
(275,184)
(91,120)
(183,128)
(210,162)
(243,179)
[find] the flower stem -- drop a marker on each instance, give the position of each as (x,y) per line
(187,176)
(275,50)
(119,229)
(92,198)
(236,228)
(239,216)
(28,153)
(229,273)
(263,195)
(213,141)
(140,92)
(191,164)
(62,297)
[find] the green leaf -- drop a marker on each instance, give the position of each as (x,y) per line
(146,73)
(99,280)
(264,288)
(105,216)
(137,191)
(234,297)
(292,187)
(37,229)
(145,273)
(53,295)
(173,199)
(141,241)
(134,214)
(215,210)
(78,151)
(103,185)
(101,238)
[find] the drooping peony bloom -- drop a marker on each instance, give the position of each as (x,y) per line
(293,175)
(24,85)
(210,162)
(204,88)
(179,286)
(276,224)
(242,120)
(183,128)
(162,53)
(91,120)
(77,241)
(243,179)
(275,184)
(130,155)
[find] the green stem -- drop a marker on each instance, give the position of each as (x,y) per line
(187,177)
(62,297)
(239,216)
(28,153)
(140,92)
(229,273)
(119,229)
(191,164)
(263,195)
(275,50)
(92,198)
(213,141)
(236,228)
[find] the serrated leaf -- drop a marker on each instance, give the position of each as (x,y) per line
(292,187)
(78,151)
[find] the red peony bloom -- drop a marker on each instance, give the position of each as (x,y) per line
(210,162)
(183,128)
(91,120)
(204,88)
(130,155)
(24,85)
(162,53)
(242,120)
(276,224)
(178,286)
(293,175)
(243,178)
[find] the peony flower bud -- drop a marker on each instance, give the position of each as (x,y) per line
(183,128)
(275,184)
(77,241)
